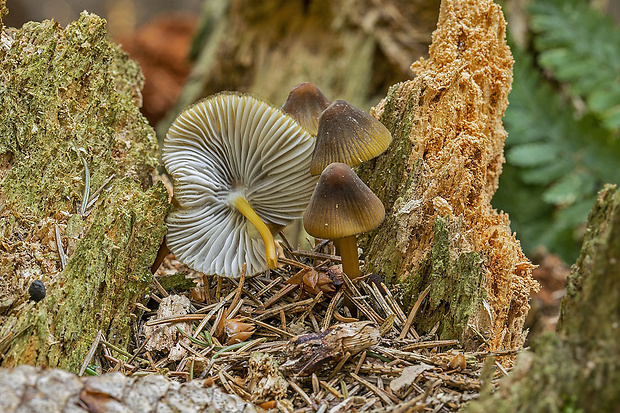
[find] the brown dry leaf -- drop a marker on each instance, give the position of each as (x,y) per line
(166,337)
(408,376)
(458,362)
(236,331)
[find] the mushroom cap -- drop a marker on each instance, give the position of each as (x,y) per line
(222,147)
(305,103)
(349,135)
(342,205)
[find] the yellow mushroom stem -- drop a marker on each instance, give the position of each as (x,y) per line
(348,253)
(270,246)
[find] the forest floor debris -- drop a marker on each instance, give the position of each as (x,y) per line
(284,340)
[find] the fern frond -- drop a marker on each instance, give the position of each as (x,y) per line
(581,46)
(556,163)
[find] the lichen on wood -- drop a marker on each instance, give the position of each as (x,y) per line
(69,126)
(437,180)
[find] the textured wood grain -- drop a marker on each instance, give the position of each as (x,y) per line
(438,178)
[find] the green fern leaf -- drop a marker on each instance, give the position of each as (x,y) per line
(570,188)
(581,46)
(533,154)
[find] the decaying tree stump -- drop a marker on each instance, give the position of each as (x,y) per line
(437,180)
(577,369)
(352,50)
(70,127)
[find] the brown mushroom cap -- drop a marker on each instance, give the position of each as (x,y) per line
(342,205)
(305,103)
(349,135)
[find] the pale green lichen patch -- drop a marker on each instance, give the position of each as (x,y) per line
(67,95)
(69,115)
(455,279)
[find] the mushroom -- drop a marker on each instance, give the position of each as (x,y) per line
(341,207)
(240,169)
(349,135)
(305,103)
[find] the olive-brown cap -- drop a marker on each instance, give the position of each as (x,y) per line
(305,103)
(349,135)
(342,205)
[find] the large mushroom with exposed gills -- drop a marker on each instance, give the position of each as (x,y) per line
(240,168)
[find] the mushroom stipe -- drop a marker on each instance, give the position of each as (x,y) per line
(270,247)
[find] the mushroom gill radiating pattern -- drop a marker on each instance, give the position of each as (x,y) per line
(225,147)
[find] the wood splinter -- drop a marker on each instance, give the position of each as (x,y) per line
(309,352)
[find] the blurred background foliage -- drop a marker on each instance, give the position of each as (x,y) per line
(562,121)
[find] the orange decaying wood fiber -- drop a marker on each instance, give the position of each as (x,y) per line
(456,129)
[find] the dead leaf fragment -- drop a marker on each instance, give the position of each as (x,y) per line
(408,376)
(166,337)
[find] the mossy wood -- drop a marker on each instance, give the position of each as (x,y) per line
(437,180)
(577,369)
(70,125)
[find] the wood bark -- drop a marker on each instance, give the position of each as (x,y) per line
(438,178)
(577,369)
(351,49)
(70,125)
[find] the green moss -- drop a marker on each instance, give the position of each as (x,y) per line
(380,173)
(67,96)
(176,281)
(109,272)
(456,291)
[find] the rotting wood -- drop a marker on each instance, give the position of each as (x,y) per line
(437,180)
(69,119)
(578,368)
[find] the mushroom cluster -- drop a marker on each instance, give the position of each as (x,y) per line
(240,168)
(341,206)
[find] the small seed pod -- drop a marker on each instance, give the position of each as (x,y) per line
(237,331)
(37,290)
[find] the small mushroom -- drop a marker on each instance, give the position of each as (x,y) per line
(305,103)
(341,207)
(240,170)
(349,135)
